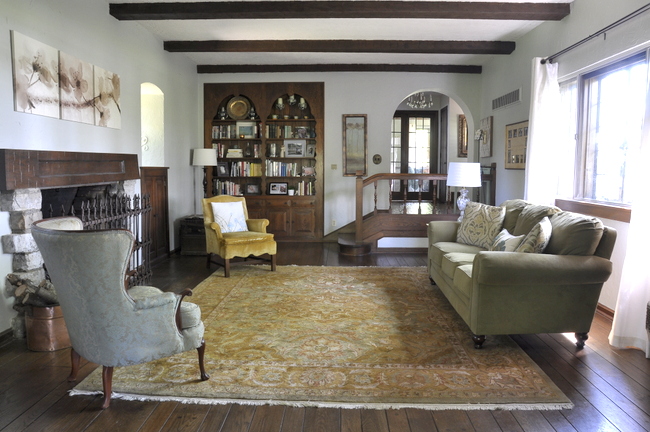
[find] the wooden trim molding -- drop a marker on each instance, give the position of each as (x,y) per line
(24,169)
(340,9)
(268,68)
(344,46)
(621,214)
(605,311)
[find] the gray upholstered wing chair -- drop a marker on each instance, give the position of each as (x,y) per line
(108,324)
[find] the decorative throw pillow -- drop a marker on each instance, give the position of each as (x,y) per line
(506,242)
(229,216)
(538,237)
(480,225)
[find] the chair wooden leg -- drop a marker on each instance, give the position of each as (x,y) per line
(209,260)
(226,267)
(107,380)
(74,361)
(273,262)
(201,350)
(581,338)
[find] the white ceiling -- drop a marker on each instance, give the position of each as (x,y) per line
(338,29)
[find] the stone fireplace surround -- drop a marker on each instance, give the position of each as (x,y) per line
(23,174)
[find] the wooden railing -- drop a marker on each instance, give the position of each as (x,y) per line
(415,210)
(375,180)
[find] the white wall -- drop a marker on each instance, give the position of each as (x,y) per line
(376,94)
(505,74)
(86,30)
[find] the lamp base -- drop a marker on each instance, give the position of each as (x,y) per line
(462,203)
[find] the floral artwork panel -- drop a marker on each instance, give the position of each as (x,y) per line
(36,76)
(76,83)
(108,110)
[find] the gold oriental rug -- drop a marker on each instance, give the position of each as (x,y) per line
(353,337)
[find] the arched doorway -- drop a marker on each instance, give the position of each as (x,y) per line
(424,139)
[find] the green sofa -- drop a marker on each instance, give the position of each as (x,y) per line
(513,292)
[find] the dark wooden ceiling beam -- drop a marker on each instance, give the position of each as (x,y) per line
(215,69)
(340,9)
(342,46)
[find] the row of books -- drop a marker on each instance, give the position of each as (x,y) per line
(234,131)
(240,169)
(282,169)
(288,132)
(227,187)
(306,188)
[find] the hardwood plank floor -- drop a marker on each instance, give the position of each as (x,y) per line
(609,387)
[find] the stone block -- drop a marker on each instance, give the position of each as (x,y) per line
(18,327)
(18,243)
(28,261)
(21,221)
(21,199)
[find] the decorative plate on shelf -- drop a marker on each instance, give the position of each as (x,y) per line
(238,107)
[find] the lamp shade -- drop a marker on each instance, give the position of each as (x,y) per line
(204,157)
(464,174)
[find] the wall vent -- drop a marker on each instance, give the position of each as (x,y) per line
(507,99)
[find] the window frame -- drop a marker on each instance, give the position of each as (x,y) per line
(612,210)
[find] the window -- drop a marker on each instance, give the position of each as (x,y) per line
(611,107)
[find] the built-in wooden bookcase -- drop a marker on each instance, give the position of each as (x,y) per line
(269,141)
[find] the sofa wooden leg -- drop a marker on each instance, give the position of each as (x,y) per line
(431,280)
(581,338)
(201,350)
(226,267)
(478,341)
(74,360)
(209,261)
(273,262)
(107,380)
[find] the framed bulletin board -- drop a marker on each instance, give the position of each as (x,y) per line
(516,143)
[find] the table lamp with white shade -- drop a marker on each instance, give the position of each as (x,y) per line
(203,157)
(464,175)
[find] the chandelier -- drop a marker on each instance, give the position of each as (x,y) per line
(420,100)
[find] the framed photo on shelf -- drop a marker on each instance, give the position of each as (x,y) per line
(308,171)
(278,188)
(295,148)
(252,189)
(222,169)
(516,143)
(246,129)
(355,144)
(311,150)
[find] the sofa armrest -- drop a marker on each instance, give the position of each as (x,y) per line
(513,268)
(442,231)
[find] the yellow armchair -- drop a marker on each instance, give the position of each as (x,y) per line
(250,244)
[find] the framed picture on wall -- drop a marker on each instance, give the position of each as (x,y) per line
(516,144)
(462,136)
(355,144)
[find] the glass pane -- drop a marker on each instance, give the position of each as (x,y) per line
(616,104)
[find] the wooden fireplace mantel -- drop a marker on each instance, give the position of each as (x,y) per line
(23,169)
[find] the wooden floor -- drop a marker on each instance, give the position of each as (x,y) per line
(610,388)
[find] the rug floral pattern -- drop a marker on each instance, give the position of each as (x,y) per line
(339,336)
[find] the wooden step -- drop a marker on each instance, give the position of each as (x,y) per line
(349,246)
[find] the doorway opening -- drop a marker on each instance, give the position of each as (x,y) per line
(152,125)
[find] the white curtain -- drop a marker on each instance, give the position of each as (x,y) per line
(544,146)
(629,327)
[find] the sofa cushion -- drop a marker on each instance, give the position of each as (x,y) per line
(538,237)
(513,210)
(530,216)
(506,242)
(452,260)
(438,250)
(463,282)
(480,225)
(574,234)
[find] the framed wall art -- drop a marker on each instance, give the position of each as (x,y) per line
(462,136)
(516,144)
(355,144)
(484,137)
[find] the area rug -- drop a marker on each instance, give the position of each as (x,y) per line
(352,337)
